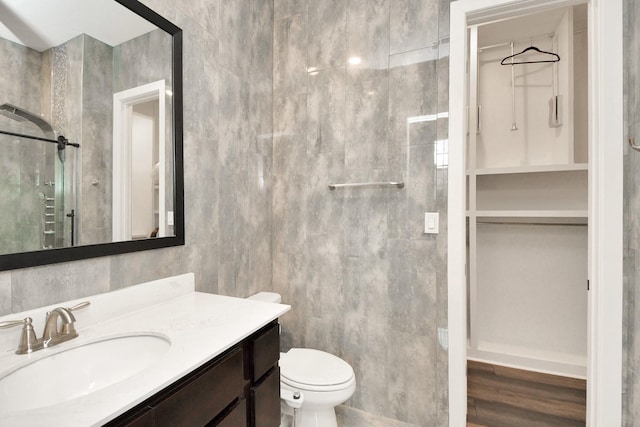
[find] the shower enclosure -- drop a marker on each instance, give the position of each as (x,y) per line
(36,192)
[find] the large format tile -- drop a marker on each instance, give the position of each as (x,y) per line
(326,111)
(5,293)
(412,287)
(234,35)
(326,33)
(367,109)
(290,55)
(368,33)
(287,8)
(414,24)
(40,286)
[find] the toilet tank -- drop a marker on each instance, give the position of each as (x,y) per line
(266,297)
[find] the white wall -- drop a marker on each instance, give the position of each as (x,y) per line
(143,140)
(535,142)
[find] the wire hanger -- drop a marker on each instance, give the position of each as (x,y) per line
(555,56)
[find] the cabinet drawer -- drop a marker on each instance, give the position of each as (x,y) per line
(236,418)
(142,418)
(265,396)
(265,351)
(203,397)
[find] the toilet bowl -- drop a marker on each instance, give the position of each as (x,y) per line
(322,379)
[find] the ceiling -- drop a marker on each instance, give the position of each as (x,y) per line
(42,24)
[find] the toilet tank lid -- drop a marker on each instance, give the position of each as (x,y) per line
(266,297)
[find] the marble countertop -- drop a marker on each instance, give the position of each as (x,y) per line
(200,326)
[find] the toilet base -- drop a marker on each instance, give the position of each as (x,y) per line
(309,417)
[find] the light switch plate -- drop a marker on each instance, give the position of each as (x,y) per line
(431,223)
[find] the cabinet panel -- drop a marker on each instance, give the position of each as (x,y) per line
(205,396)
(266,401)
(265,351)
(142,418)
(236,418)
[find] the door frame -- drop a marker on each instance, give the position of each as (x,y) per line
(604,329)
(123,103)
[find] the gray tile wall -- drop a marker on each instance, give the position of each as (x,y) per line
(97,156)
(631,337)
(22,164)
(364,282)
(228,161)
(82,99)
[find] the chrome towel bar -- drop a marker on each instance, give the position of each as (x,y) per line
(367,184)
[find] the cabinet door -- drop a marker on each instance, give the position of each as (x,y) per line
(265,397)
(265,352)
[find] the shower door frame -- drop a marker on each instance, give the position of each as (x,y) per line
(604,329)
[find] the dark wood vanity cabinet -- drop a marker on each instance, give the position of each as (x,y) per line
(262,372)
(265,400)
(239,388)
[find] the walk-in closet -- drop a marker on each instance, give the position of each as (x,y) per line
(527,187)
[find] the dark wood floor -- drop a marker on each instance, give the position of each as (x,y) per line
(505,397)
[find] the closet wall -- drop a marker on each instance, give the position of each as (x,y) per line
(527,205)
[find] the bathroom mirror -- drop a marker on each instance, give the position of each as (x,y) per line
(91,130)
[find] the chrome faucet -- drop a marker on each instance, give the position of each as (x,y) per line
(52,335)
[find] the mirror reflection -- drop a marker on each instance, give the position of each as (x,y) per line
(85,125)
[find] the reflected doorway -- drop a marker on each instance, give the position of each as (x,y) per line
(139,184)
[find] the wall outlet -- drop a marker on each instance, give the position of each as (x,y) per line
(169,217)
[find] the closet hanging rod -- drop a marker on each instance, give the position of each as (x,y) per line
(367,184)
(530,39)
(563,224)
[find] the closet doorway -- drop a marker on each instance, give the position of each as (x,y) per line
(529,231)
(527,218)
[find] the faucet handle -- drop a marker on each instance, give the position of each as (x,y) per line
(28,340)
(11,323)
(79,306)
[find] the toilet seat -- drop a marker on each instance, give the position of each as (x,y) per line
(314,370)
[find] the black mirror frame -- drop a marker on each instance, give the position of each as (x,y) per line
(75,253)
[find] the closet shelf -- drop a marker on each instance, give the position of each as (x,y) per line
(577,217)
(532,169)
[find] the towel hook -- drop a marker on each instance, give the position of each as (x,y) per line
(633,145)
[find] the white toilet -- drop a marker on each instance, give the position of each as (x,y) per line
(322,379)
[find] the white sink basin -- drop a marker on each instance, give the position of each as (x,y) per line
(78,371)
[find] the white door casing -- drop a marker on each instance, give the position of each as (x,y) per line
(123,103)
(604,368)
